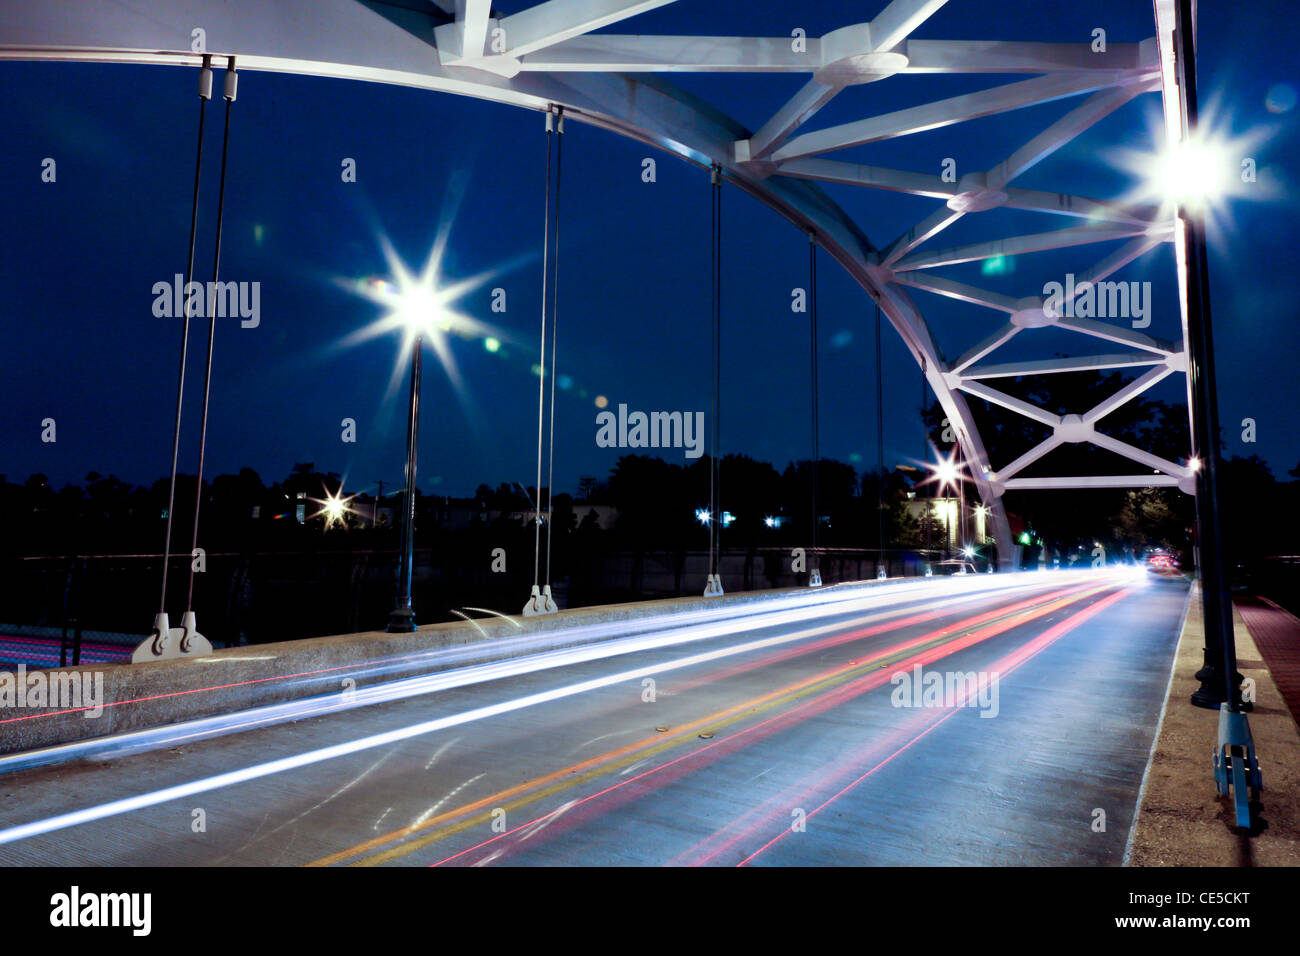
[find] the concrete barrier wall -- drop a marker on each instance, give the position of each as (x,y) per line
(139,696)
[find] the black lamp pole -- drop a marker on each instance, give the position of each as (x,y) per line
(402,618)
(1220,680)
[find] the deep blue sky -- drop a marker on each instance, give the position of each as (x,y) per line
(78,258)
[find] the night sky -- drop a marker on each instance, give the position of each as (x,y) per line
(79,258)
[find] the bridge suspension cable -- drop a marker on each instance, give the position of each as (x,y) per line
(552,375)
(713,584)
(925,447)
(540,600)
(880,452)
(231,82)
(814,571)
(187,638)
(205,94)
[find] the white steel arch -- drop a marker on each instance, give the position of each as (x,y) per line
(545,53)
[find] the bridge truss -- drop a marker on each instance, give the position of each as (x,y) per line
(538,55)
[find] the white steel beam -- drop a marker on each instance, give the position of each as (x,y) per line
(1171,101)
(931,225)
(1091,481)
(557,20)
(1118,260)
(912,329)
(637,53)
(1050,443)
(1087,114)
(1059,133)
(957,109)
(1115,333)
(998,56)
(990,344)
(472,20)
(1011,402)
(1130,391)
(626,53)
(1081,207)
(1019,245)
(1057,365)
(811,97)
(617,53)
(1137,454)
(958,290)
(875,177)
(893,24)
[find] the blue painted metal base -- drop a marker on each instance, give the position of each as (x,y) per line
(1236,768)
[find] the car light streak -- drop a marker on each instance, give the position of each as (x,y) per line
(828,599)
(307,758)
(266,715)
(826,700)
(1006,666)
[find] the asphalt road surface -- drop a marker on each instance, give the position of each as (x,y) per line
(997,719)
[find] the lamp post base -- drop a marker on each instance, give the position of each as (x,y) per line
(1210,694)
(401,621)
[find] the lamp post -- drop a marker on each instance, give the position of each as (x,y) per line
(402,618)
(1219,677)
(419,306)
(1236,764)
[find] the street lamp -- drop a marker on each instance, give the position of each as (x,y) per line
(1193,174)
(419,307)
(1236,767)
(981,514)
(947,473)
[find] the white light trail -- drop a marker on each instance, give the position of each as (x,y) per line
(495,671)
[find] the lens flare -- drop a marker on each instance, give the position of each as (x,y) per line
(334,508)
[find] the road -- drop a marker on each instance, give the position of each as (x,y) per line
(784,739)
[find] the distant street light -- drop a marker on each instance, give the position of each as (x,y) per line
(947,473)
(334,507)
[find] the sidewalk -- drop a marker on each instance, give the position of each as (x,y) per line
(1181,820)
(1277,635)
